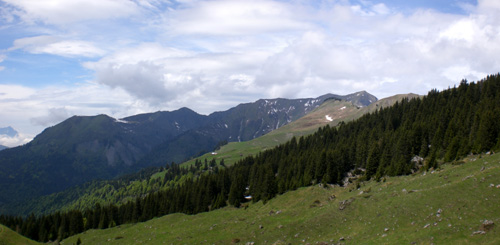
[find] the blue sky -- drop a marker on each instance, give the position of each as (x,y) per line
(60,58)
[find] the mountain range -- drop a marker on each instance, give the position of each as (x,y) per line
(83,148)
(348,168)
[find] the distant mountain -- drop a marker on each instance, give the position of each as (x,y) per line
(360,99)
(242,123)
(8,131)
(83,148)
(2,147)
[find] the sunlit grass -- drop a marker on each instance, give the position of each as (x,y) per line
(441,207)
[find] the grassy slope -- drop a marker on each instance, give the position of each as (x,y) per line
(407,206)
(7,237)
(337,110)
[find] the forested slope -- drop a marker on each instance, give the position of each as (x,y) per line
(126,188)
(443,125)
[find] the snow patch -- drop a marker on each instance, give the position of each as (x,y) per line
(329,118)
(121,121)
(225,125)
(310,103)
(343,108)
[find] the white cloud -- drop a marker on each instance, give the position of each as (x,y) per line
(298,51)
(19,139)
(381,9)
(230,17)
(2,58)
(211,55)
(488,6)
(63,12)
(55,46)
(29,110)
(11,92)
(162,76)
(55,115)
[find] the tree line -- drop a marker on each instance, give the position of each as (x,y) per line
(443,126)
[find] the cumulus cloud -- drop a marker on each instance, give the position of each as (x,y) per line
(10,137)
(385,54)
(19,139)
(212,55)
(161,75)
(54,115)
(30,110)
(279,49)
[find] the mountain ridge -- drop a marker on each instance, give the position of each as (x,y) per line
(83,148)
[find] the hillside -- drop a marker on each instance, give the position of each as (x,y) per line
(9,237)
(83,149)
(242,123)
(443,206)
(331,112)
(118,191)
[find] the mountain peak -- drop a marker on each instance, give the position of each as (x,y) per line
(9,131)
(361,98)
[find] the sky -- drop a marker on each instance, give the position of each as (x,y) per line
(61,58)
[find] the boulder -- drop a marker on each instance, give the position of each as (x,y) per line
(487,225)
(345,203)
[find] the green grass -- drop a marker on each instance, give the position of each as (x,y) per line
(399,210)
(8,237)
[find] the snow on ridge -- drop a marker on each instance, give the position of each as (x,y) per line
(121,120)
(311,102)
(328,118)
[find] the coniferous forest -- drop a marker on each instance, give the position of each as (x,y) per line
(441,126)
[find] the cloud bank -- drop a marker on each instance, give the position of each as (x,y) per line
(146,55)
